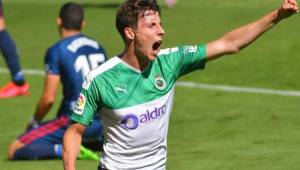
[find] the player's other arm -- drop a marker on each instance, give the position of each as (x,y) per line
(71,145)
(46,100)
(237,39)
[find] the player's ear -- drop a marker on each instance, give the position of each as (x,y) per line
(83,24)
(129,33)
(58,21)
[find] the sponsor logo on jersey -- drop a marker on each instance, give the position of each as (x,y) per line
(159,83)
(121,89)
(80,104)
(192,49)
(131,121)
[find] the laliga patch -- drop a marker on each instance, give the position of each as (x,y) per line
(80,104)
(159,83)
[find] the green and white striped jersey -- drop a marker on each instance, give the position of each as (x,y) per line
(135,106)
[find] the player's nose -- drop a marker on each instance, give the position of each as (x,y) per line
(161,30)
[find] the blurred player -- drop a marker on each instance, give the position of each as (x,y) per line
(17,86)
(134,91)
(170,3)
(67,61)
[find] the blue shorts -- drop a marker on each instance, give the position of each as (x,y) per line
(52,132)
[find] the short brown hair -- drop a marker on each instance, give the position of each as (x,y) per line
(128,12)
(72,16)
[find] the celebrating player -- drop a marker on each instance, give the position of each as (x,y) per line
(67,61)
(17,86)
(134,90)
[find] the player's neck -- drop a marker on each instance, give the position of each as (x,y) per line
(68,33)
(135,60)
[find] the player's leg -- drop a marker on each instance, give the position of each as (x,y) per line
(15,145)
(37,152)
(18,86)
(43,142)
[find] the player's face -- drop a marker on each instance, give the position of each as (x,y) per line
(148,34)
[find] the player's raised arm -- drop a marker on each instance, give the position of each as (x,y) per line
(71,145)
(237,39)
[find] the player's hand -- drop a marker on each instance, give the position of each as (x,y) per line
(32,124)
(288,8)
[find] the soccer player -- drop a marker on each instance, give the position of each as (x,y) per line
(67,61)
(134,90)
(18,85)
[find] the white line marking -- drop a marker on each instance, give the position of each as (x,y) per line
(219,87)
(27,71)
(236,89)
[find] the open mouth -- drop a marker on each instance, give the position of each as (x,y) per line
(156,45)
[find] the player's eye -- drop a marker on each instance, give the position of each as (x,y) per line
(152,25)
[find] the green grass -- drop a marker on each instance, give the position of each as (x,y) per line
(209,130)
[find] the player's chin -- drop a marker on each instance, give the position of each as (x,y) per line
(154,54)
(152,57)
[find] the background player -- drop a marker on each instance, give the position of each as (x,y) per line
(67,61)
(170,3)
(135,105)
(17,86)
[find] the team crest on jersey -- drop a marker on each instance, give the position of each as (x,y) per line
(80,104)
(159,83)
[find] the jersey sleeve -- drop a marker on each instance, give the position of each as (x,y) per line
(88,103)
(52,61)
(184,59)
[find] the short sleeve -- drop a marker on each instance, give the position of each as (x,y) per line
(184,59)
(51,61)
(87,105)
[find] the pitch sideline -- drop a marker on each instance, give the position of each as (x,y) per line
(215,87)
